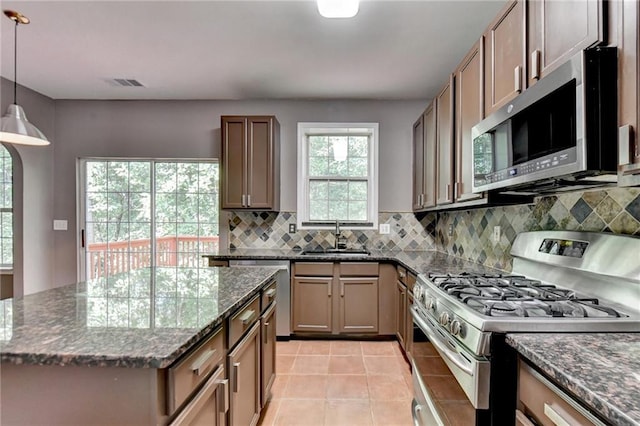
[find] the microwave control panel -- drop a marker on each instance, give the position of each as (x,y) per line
(539,165)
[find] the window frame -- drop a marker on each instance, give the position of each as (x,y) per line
(306,129)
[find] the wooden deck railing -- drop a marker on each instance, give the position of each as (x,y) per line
(122,256)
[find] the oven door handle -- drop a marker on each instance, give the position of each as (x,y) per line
(441,345)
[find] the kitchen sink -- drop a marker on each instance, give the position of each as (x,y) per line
(340,252)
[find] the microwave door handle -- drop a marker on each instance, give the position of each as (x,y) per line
(517,79)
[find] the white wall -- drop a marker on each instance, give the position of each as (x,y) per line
(191,129)
(33,194)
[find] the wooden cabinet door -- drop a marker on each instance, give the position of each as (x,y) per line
(244,369)
(560,29)
(444,131)
(268,346)
(208,406)
(401,312)
(260,170)
(233,175)
(430,152)
(358,305)
(418,163)
(312,310)
(469,90)
(505,56)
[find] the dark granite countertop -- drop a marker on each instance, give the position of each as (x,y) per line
(418,262)
(601,369)
(130,320)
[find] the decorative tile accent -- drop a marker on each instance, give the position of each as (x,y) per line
(614,210)
(262,230)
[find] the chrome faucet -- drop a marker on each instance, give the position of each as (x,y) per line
(338,237)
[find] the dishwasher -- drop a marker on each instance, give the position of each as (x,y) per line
(283,292)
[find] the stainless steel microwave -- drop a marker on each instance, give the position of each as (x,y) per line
(556,133)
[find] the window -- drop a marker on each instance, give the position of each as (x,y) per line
(141,213)
(6,209)
(337,175)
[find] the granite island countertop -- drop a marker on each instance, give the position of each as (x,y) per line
(142,319)
(601,369)
(419,262)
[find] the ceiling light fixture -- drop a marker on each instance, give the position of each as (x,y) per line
(338,8)
(15,128)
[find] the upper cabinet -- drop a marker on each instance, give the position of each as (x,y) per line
(560,29)
(628,12)
(469,107)
(250,175)
(424,159)
(444,144)
(505,56)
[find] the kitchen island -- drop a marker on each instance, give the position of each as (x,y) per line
(98,352)
(601,370)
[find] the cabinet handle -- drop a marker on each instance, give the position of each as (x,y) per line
(270,293)
(242,200)
(535,64)
(421,200)
(341,289)
(329,289)
(524,420)
(203,362)
(247,317)
(558,415)
(449,192)
(249,200)
(517,80)
(266,332)
(236,376)
(224,398)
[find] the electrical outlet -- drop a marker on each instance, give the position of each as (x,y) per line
(385,228)
(497,234)
(292,228)
(451,230)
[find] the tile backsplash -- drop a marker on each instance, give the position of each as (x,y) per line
(614,210)
(269,230)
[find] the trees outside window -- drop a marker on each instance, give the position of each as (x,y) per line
(141,213)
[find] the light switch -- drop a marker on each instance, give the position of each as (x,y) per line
(59,225)
(385,228)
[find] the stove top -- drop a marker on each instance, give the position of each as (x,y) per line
(519,296)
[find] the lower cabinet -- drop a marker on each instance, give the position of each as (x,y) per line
(268,351)
(209,406)
(335,298)
(358,305)
(312,304)
(244,382)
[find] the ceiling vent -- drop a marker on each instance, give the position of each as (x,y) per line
(125,82)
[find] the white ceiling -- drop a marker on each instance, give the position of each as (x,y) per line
(240,49)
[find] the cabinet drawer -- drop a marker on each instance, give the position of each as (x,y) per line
(547,403)
(402,275)
(358,269)
(313,269)
(185,376)
(268,295)
(243,319)
(209,406)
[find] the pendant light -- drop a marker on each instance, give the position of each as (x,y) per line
(338,8)
(15,128)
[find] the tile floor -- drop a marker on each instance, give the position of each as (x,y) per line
(340,383)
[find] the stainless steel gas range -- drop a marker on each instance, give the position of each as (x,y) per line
(561,282)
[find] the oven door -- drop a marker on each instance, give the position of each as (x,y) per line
(471,372)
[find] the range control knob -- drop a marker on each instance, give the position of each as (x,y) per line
(431,304)
(444,318)
(456,327)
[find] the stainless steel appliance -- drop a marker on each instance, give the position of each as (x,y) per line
(283,292)
(561,282)
(556,133)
